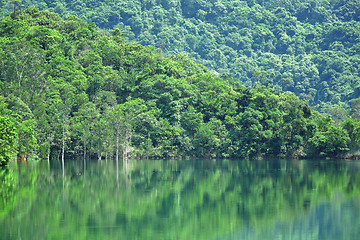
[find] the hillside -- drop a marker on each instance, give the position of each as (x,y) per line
(307,47)
(70,88)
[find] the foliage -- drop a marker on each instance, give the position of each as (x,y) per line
(8,139)
(69,86)
(307,47)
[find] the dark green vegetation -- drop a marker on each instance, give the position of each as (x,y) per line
(182,200)
(72,89)
(7,140)
(309,47)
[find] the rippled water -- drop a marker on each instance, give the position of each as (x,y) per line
(167,199)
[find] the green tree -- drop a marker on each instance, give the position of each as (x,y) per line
(8,140)
(85,119)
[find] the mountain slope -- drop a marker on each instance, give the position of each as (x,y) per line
(71,88)
(308,47)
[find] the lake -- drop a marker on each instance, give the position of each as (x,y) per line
(187,199)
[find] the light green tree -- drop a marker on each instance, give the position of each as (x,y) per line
(8,139)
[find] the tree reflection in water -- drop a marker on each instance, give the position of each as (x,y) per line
(160,199)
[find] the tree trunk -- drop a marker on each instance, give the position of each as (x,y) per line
(84,156)
(63,150)
(48,158)
(84,148)
(117,157)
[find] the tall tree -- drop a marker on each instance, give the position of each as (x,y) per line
(8,139)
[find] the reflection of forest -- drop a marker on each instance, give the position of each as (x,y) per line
(181,200)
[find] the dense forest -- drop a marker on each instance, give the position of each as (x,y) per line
(308,47)
(68,88)
(103,80)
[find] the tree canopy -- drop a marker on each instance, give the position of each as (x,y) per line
(66,85)
(307,47)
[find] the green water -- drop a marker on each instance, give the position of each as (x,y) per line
(162,199)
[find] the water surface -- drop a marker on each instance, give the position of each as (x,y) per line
(197,199)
